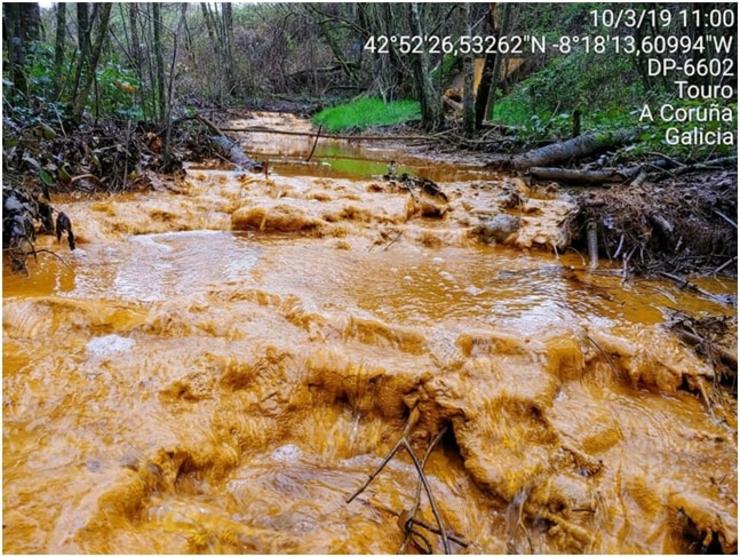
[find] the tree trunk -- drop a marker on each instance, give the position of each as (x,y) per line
(496,74)
(215,43)
(59,48)
(21,24)
(157,17)
(81,100)
(481,98)
(395,58)
(171,85)
(228,39)
(133,11)
(13,34)
(337,51)
(431,103)
(234,153)
(83,40)
(576,123)
(468,92)
(575,148)
(31,20)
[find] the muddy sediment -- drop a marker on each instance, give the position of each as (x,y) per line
(216,370)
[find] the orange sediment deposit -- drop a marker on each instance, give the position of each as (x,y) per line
(219,369)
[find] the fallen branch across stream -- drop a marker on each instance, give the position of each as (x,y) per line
(261,129)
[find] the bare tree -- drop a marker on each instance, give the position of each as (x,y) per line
(81,99)
(431,102)
(468,92)
(503,29)
(228,43)
(157,23)
(133,11)
(481,99)
(171,85)
(61,19)
(83,41)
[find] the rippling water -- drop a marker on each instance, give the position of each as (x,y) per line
(217,370)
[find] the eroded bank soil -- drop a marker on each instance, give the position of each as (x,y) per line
(216,369)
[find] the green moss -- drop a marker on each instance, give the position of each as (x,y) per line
(367,112)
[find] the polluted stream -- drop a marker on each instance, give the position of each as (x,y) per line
(221,364)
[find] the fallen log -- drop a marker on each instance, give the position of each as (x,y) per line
(573,149)
(230,149)
(235,154)
(590,177)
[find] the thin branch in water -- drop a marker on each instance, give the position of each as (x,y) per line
(403,442)
(410,423)
(417,499)
(48,251)
(432,502)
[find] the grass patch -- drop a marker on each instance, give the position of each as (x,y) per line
(367,112)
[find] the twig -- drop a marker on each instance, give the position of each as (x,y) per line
(583,259)
(377,471)
(393,241)
(667,158)
(125,165)
(410,423)
(59,119)
(453,537)
(725,264)
(417,500)
(82,176)
(404,443)
(619,247)
(725,217)
(208,123)
(685,284)
(59,257)
(428,489)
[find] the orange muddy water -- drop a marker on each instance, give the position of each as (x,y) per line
(221,364)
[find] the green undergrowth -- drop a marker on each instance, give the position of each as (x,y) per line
(366,112)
